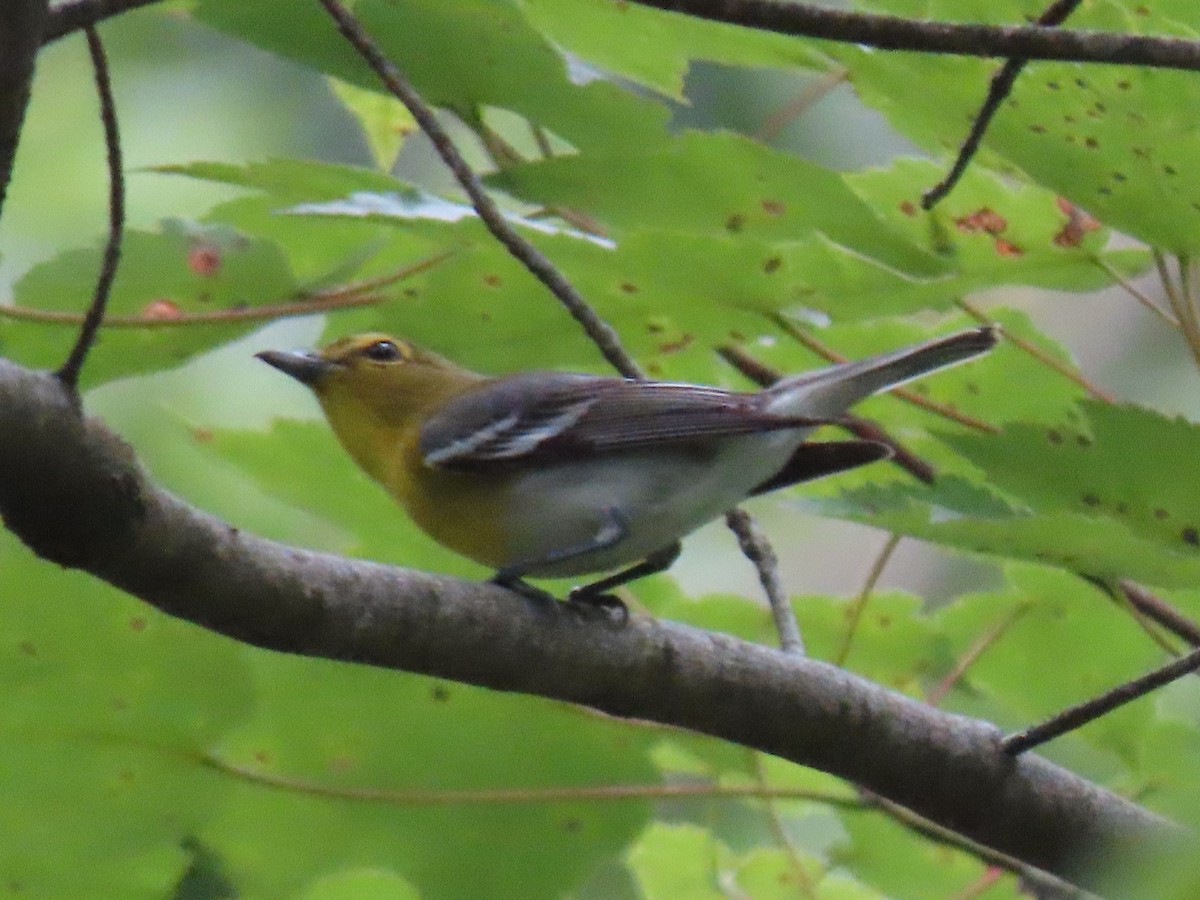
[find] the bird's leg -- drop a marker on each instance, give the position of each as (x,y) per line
(609,534)
(595,594)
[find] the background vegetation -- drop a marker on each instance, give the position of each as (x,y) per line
(142,756)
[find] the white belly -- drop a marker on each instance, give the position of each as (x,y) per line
(658,497)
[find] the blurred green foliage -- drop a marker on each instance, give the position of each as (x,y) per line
(142,757)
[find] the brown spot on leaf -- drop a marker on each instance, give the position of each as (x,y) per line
(1054,437)
(439,693)
(1091,143)
(773,207)
(262,757)
(735,223)
(202,435)
(983,219)
(1122,85)
(161,309)
(908,208)
(1007,248)
(1160,513)
(1078,224)
(772,264)
(492,279)
(1170,170)
(628,287)
(204,260)
(1083,440)
(1037,129)
(675,346)
(1090,500)
(1190,536)
(27,648)
(137,623)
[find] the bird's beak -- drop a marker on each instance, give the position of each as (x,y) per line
(307,368)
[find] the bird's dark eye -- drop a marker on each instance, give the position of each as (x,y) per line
(382,351)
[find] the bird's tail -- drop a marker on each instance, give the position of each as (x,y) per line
(833,390)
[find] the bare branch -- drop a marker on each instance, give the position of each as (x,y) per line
(1157,609)
(1000,86)
(69,373)
(756,548)
(1028,42)
(1080,715)
(601,333)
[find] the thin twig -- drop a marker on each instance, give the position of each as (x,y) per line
(1179,305)
(68,374)
(542,140)
(1001,85)
(812,94)
(978,647)
(983,883)
(1158,609)
(934,832)
(1067,371)
(1135,292)
(1077,716)
(804,882)
(855,612)
(481,796)
(807,340)
(349,296)
(915,465)
(1145,622)
(763,375)
(758,550)
(601,333)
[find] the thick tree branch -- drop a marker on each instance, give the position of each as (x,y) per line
(21,26)
(75,494)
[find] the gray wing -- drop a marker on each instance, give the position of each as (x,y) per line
(549,415)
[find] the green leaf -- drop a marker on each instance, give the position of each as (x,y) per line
(1124,466)
(992,231)
(677,861)
(653,48)
(184,269)
(759,194)
(465,56)
(1113,140)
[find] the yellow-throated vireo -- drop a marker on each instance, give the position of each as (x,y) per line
(549,474)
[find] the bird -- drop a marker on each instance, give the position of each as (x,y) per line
(546,474)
